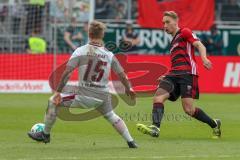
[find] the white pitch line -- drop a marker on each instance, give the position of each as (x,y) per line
(144,157)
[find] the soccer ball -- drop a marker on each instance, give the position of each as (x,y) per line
(39,127)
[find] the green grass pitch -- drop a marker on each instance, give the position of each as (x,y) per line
(181,137)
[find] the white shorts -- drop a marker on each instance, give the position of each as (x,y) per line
(88,98)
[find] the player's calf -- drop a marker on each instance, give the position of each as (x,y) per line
(188,108)
(200,115)
(50,117)
(121,128)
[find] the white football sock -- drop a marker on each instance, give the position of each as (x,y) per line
(50,117)
(119,125)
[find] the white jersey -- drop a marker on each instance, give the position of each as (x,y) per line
(94,66)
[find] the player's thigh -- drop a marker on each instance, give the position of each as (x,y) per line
(168,89)
(85,98)
(189,87)
(106,107)
(67,99)
(105,97)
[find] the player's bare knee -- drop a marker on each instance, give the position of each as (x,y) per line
(159,99)
(156,100)
(188,108)
(160,96)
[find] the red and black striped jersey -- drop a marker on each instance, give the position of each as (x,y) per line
(182,53)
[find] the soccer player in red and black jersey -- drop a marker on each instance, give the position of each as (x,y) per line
(182,79)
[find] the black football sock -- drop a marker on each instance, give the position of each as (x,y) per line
(157,114)
(203,117)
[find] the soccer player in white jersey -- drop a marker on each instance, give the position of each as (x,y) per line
(94,64)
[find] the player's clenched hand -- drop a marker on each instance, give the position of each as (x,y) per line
(131,93)
(207,63)
(56,98)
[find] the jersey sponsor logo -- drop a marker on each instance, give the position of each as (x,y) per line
(149,38)
(189,87)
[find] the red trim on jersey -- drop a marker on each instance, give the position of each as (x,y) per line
(68,97)
(191,57)
(194,87)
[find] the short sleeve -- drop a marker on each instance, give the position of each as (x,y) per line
(74,60)
(189,35)
(116,66)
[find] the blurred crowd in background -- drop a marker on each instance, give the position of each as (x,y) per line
(65,23)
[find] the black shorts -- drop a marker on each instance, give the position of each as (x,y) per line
(184,85)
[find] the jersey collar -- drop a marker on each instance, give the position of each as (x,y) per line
(176,35)
(95,44)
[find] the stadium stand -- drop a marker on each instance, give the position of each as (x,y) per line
(19,17)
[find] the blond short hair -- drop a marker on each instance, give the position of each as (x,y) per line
(171,14)
(96,30)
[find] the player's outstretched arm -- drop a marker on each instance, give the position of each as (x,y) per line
(117,68)
(202,51)
(65,77)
